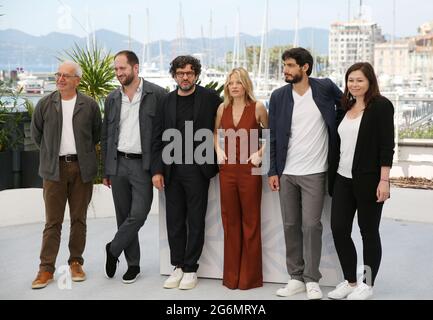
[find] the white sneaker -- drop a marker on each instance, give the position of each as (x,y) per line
(362,292)
(189,281)
(293,287)
(174,279)
(313,291)
(341,291)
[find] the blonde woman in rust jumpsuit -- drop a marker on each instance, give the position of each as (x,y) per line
(240,117)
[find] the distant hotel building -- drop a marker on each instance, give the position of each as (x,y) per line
(408,59)
(351,42)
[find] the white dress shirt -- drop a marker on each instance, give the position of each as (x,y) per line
(129,135)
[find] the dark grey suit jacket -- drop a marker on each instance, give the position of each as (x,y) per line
(150,100)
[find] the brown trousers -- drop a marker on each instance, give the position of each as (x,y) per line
(241,195)
(78,194)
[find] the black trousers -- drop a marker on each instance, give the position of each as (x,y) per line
(344,205)
(186,198)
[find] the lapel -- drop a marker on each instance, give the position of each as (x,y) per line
(289,103)
(172,105)
(317,100)
(58,106)
(56,101)
(362,136)
(197,102)
(79,104)
(117,104)
(145,91)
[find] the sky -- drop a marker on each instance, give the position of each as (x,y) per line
(40,17)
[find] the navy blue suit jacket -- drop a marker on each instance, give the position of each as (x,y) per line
(327,97)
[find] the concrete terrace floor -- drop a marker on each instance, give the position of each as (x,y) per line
(406,271)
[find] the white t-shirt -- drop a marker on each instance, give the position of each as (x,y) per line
(308,145)
(129,135)
(348,131)
(67,142)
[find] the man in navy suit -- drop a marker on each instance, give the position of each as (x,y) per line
(302,120)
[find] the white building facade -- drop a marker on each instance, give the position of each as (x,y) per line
(352,42)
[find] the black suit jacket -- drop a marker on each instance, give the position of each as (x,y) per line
(374,147)
(206,104)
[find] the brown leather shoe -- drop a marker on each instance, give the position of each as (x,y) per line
(42,280)
(77,272)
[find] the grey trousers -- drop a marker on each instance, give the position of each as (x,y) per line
(301,199)
(132,195)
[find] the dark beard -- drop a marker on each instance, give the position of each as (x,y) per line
(296,79)
(187,88)
(128,80)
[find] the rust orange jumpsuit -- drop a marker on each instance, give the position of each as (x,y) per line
(241,194)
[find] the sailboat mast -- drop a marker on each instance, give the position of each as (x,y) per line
(236,46)
(129,31)
(210,41)
(296,40)
(161,60)
(147,36)
(394,17)
(263,46)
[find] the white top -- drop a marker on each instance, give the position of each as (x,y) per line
(129,135)
(348,131)
(308,144)
(67,142)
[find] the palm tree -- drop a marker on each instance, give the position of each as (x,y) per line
(97,80)
(98,72)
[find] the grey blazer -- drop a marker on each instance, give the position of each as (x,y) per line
(46,132)
(150,100)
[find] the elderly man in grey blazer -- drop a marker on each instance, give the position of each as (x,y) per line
(126,144)
(66,127)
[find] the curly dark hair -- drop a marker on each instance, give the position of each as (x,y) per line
(182,61)
(301,56)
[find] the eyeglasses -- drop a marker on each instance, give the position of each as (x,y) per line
(189,74)
(64,75)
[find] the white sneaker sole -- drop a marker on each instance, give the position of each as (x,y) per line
(132,280)
(171,285)
(291,293)
(188,286)
(318,297)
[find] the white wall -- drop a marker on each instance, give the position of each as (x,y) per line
(23,206)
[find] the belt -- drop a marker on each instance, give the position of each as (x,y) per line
(129,155)
(69,158)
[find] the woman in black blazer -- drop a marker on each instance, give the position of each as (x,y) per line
(365,151)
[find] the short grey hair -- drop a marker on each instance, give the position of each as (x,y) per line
(76,66)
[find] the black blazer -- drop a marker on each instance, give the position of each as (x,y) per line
(374,148)
(206,104)
(327,97)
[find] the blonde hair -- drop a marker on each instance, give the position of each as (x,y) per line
(246,82)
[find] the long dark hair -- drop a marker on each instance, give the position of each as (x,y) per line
(348,101)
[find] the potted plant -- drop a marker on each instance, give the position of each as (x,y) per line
(13,111)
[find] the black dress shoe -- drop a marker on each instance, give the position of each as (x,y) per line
(131,274)
(110,262)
